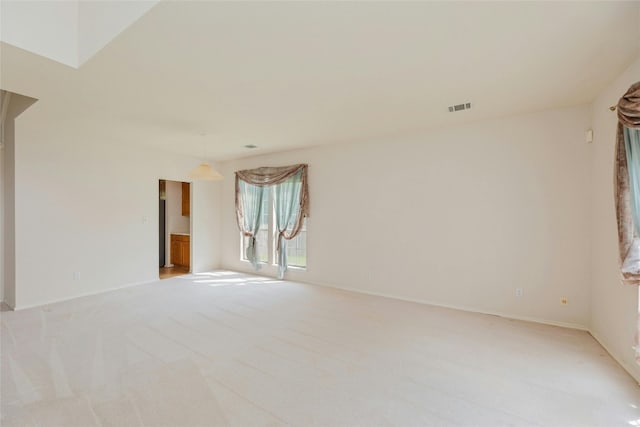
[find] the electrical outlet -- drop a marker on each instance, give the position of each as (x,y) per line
(519,292)
(76,275)
(564,301)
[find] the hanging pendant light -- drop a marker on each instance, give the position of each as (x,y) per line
(206,172)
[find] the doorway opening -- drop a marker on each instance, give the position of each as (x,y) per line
(174,231)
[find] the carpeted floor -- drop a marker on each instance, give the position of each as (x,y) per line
(223,348)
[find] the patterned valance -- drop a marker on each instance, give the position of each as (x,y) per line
(266,176)
(629,107)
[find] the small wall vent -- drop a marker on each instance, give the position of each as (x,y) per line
(460,107)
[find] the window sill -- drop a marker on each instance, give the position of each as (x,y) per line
(260,263)
(291,267)
(295,267)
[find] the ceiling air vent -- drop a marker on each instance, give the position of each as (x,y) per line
(460,107)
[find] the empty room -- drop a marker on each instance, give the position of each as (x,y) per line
(319,213)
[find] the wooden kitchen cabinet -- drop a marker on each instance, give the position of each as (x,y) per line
(180,250)
(186,199)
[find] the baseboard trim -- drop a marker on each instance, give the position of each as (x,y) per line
(635,375)
(86,294)
(461,308)
(569,325)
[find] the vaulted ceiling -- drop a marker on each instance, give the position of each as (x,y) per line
(194,77)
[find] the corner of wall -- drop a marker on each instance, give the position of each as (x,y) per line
(613,307)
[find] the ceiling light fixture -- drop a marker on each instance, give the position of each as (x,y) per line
(205,172)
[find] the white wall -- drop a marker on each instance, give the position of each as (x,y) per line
(8,207)
(91,206)
(206,224)
(460,216)
(175,222)
(614,307)
(17,105)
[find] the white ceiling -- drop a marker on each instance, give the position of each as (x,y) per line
(67,31)
(293,74)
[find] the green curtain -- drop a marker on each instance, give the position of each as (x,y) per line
(250,198)
(287,201)
(632,146)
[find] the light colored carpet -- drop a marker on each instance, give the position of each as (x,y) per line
(228,349)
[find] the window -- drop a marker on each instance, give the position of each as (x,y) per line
(266,240)
(297,248)
(262,237)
